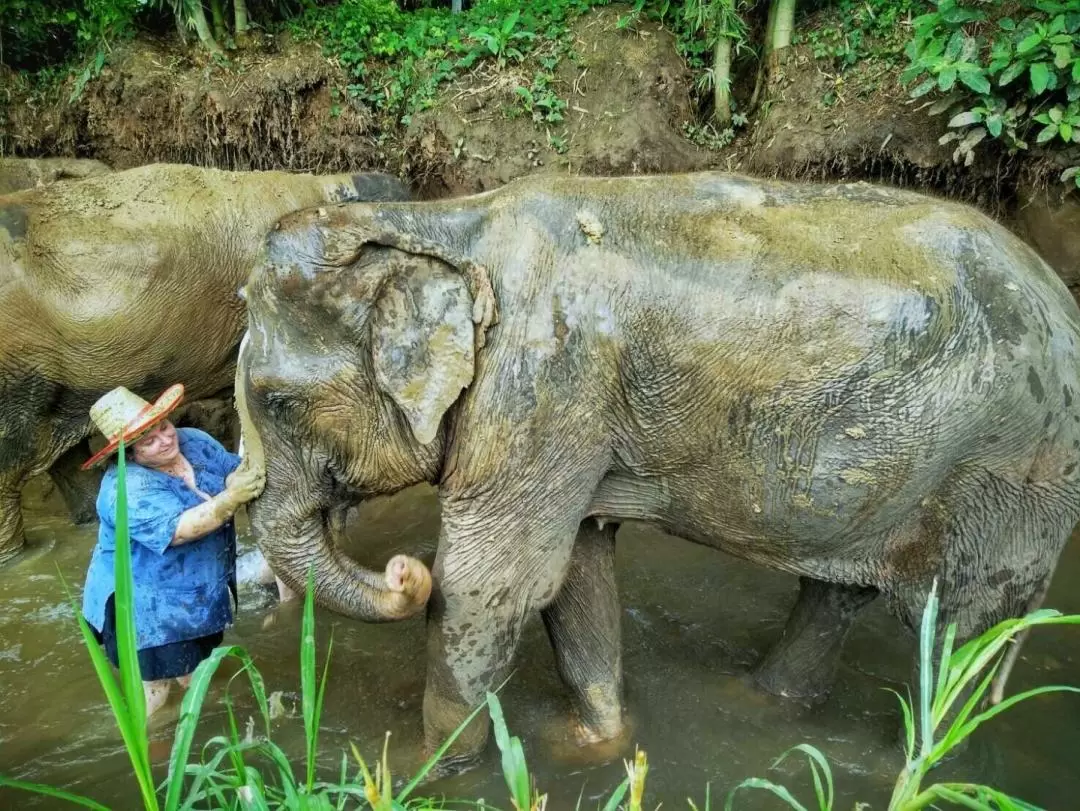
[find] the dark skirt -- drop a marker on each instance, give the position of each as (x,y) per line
(161,662)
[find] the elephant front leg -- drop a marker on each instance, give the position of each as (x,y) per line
(78,488)
(583,625)
(485,589)
(802,665)
(472,638)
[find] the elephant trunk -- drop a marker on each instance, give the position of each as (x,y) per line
(290,526)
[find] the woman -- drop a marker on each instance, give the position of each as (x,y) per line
(183,489)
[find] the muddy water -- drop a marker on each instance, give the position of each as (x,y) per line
(694,620)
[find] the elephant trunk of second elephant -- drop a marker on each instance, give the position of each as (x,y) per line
(292,532)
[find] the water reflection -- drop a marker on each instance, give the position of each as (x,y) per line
(694,620)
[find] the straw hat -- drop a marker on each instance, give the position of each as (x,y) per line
(123,412)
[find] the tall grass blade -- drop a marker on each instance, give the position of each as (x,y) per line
(49,791)
(971,725)
(191,709)
(909,725)
(818,764)
(955,732)
(308,687)
(515,771)
(955,797)
(292,797)
(946,663)
(313,748)
(617,796)
(766,785)
(209,771)
(251,794)
(126,641)
(977,797)
(926,670)
(235,753)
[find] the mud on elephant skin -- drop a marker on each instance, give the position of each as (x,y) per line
(864,387)
(129,278)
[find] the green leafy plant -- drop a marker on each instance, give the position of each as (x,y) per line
(397,60)
(1005,79)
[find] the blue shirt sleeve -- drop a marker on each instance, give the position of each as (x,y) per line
(154,510)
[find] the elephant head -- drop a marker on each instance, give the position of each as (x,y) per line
(361,339)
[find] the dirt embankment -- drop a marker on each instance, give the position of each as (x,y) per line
(627,97)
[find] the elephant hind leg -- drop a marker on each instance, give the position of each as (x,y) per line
(583,625)
(78,488)
(1001,543)
(802,664)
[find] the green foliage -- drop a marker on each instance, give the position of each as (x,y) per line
(398,60)
(855,30)
(1012,79)
(36,34)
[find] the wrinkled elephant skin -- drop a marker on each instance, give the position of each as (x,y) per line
(867,388)
(128,278)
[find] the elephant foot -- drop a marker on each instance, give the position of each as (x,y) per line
(779,679)
(587,734)
(574,742)
(450,766)
(802,665)
(83,516)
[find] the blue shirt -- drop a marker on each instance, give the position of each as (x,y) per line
(181,592)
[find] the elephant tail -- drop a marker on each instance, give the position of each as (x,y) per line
(997,686)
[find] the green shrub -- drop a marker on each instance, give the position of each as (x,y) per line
(397,60)
(1013,79)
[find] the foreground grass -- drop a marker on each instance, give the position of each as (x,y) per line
(249,772)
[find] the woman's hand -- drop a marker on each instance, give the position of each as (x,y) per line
(242,485)
(245,484)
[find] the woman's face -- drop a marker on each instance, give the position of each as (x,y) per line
(158,447)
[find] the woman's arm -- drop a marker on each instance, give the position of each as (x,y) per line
(198,522)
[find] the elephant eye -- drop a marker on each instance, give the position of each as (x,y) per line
(279,404)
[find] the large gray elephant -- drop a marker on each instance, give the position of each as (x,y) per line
(866,388)
(131,279)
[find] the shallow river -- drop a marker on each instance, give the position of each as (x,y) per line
(694,620)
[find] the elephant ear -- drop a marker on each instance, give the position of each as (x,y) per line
(422,342)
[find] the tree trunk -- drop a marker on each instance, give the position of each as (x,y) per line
(722,83)
(240,16)
(766,51)
(783,25)
(455,6)
(198,18)
(778,31)
(218,15)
